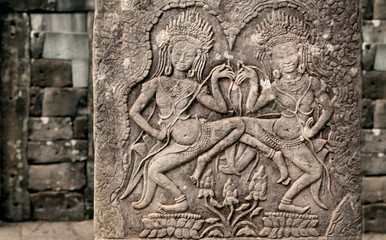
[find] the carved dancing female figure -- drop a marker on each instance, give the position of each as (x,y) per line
(183,51)
(282,40)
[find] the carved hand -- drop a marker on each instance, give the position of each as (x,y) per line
(161,134)
(223,71)
(308,131)
(246,73)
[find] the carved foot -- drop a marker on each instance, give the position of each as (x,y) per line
(285,182)
(293,208)
(226,169)
(174,208)
(201,164)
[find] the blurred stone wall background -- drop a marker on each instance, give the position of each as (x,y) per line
(374,114)
(46,106)
(46,111)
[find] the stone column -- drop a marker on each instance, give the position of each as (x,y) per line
(227,119)
(15,81)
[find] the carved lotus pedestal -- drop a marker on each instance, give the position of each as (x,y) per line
(227,119)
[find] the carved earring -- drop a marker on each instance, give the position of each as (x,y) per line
(276,74)
(193,69)
(168,68)
(302,68)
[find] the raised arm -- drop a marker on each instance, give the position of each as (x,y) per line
(254,100)
(147,93)
(216,101)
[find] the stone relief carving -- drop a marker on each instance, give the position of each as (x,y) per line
(234,108)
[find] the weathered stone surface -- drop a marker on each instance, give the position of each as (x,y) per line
(55,22)
(80,73)
(380,114)
(66,46)
(37,43)
(375,217)
(380,58)
(373,141)
(14,87)
(58,206)
(374,163)
(379,9)
(49,129)
(36,100)
(374,84)
(63,101)
(39,230)
(48,5)
(185,96)
(57,151)
(368,55)
(57,177)
(368,107)
(374,189)
(367,9)
(51,73)
(81,127)
(374,31)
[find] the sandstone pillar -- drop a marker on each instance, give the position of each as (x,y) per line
(227,119)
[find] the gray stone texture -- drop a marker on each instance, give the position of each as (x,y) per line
(375,217)
(374,189)
(14,102)
(49,129)
(379,9)
(380,114)
(49,5)
(373,141)
(57,177)
(80,73)
(64,101)
(37,43)
(380,57)
(58,206)
(81,127)
(38,230)
(368,55)
(374,163)
(59,22)
(367,9)
(66,46)
(36,100)
(374,84)
(373,31)
(57,151)
(51,73)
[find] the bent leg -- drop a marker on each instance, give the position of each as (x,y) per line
(157,169)
(253,136)
(224,133)
(304,159)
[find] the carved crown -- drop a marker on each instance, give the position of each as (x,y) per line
(188,26)
(279,27)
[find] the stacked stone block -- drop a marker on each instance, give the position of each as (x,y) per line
(58,125)
(49,175)
(374,114)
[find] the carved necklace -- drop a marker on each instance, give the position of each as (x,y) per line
(293,86)
(177,89)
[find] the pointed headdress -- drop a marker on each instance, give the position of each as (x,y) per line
(278,27)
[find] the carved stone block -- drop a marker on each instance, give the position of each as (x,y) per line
(64,101)
(51,73)
(57,177)
(57,206)
(227,119)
